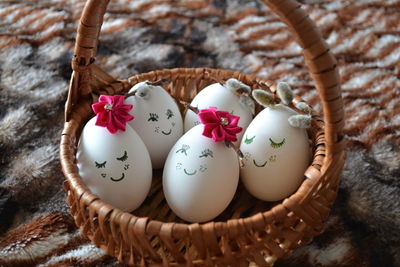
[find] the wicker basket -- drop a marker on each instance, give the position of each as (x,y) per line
(249,231)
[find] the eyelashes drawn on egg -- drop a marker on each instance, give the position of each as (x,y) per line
(169,114)
(153,117)
(100,165)
(249,140)
(274,144)
(205,153)
(184,149)
(123,158)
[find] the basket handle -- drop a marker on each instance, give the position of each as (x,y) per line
(318,58)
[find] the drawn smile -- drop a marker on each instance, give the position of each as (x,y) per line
(259,165)
(167,133)
(190,173)
(117,180)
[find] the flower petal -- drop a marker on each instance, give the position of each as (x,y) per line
(119,124)
(211,118)
(98,107)
(106,99)
(233,120)
(125,108)
(208,128)
(116,118)
(102,119)
(118,100)
(218,134)
(207,116)
(111,128)
(222,114)
(233,130)
(230,137)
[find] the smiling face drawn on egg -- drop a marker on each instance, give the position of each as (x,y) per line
(205,153)
(272,158)
(125,167)
(169,117)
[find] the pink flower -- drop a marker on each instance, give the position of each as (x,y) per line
(219,125)
(112,113)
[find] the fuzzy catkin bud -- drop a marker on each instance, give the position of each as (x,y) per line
(264,98)
(284,93)
(300,121)
(237,86)
(248,102)
(304,107)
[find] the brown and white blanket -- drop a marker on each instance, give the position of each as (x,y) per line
(36,43)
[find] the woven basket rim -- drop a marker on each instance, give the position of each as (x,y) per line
(184,72)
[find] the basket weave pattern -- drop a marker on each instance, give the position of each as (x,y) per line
(248,231)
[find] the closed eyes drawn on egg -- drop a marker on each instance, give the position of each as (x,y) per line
(153,117)
(169,114)
(249,140)
(206,153)
(100,165)
(184,149)
(123,157)
(274,144)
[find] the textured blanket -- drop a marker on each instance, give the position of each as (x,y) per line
(36,44)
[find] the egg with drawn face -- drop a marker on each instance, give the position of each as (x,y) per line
(116,167)
(276,155)
(219,96)
(200,176)
(158,120)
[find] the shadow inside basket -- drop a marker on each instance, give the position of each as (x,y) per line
(156,208)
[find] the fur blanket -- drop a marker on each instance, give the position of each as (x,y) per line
(36,44)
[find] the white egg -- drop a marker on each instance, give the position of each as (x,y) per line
(276,155)
(116,167)
(200,177)
(217,95)
(158,121)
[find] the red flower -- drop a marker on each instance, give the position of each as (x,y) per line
(112,113)
(219,125)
